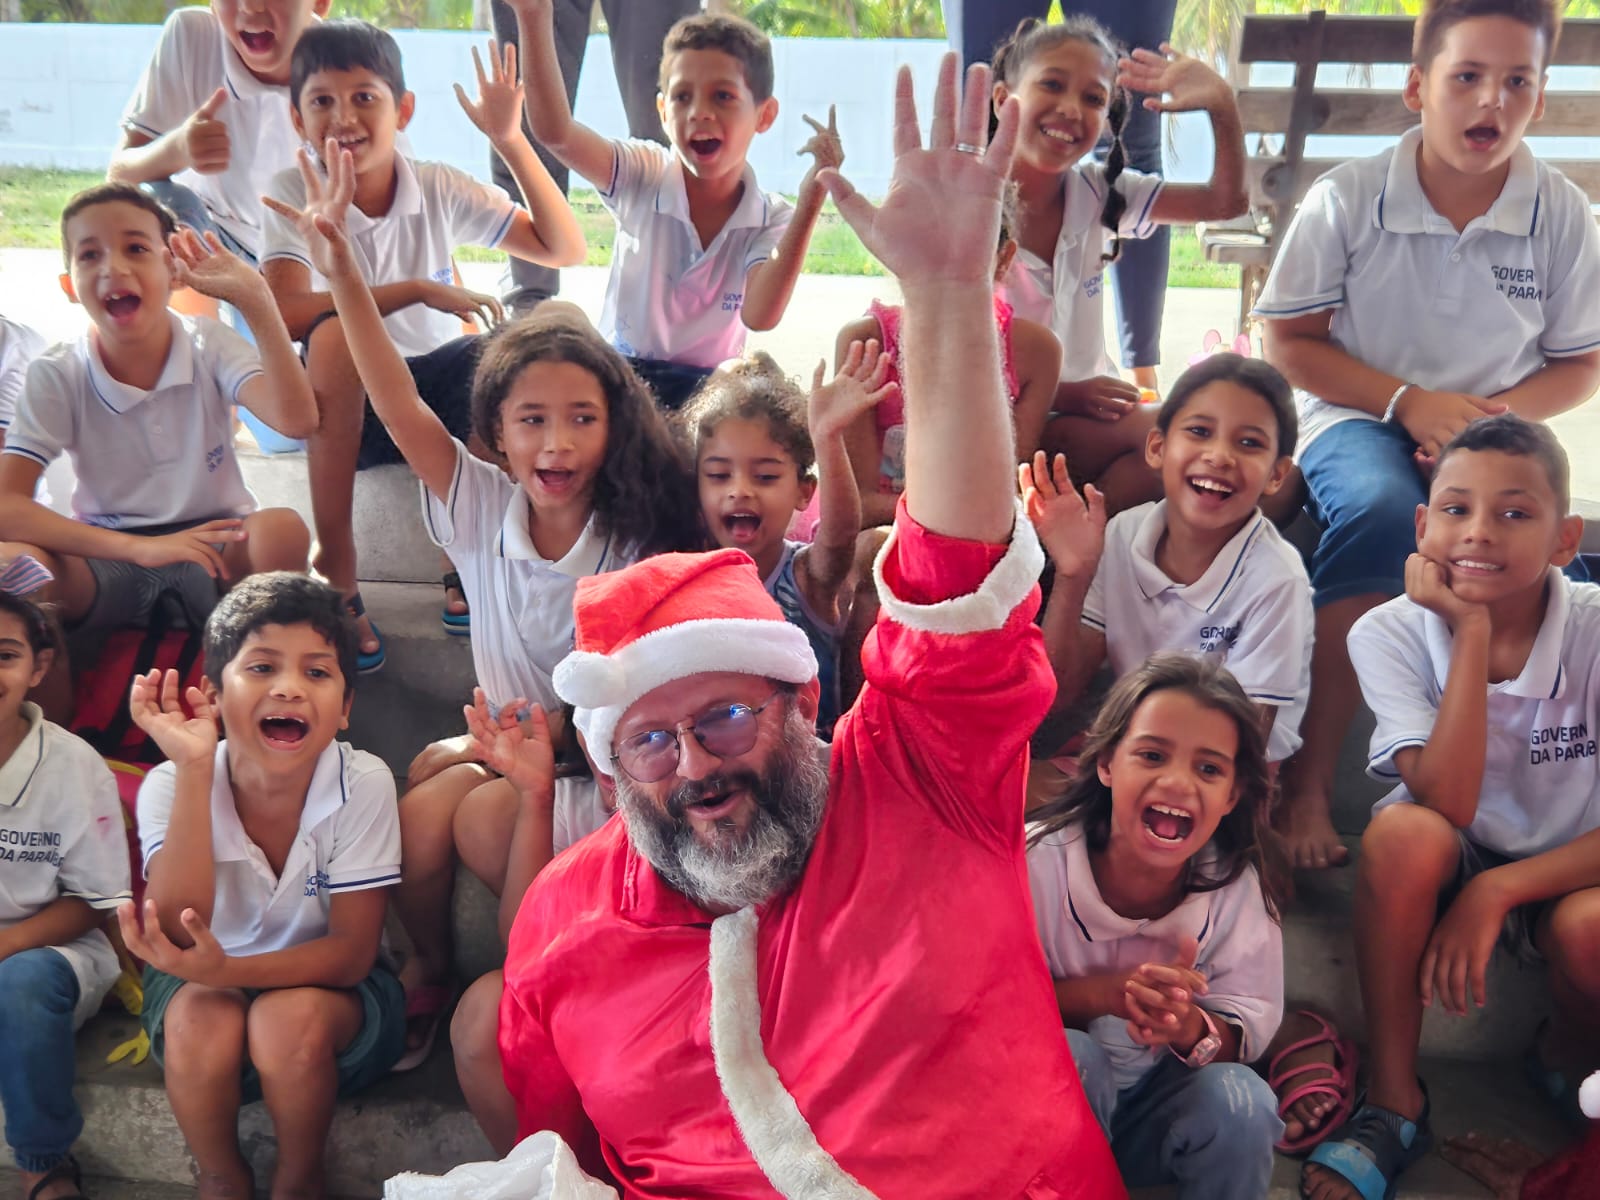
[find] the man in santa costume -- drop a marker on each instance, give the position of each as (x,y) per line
(789,971)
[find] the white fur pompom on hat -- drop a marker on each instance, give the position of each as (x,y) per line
(667,618)
(1589,1097)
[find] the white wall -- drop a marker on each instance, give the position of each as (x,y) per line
(63,87)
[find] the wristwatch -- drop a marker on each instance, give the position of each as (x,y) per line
(1205,1050)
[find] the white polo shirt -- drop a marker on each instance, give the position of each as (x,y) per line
(1476,311)
(1241,947)
(62,834)
(1252,608)
(1541,784)
(192,60)
(1066,294)
(19,346)
(521,601)
(349,841)
(668,297)
(142,458)
(579,812)
(436,208)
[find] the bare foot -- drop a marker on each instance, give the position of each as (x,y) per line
(366,640)
(1308,833)
(64,1184)
(233,1183)
(455,602)
(1311,1112)
(1500,1164)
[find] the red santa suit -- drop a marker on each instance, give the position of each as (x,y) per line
(885,1028)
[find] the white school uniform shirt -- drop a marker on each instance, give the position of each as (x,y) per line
(579,812)
(1066,293)
(191,61)
(1476,311)
(1252,608)
(668,297)
(349,841)
(19,346)
(142,458)
(62,834)
(436,208)
(1241,947)
(1541,784)
(521,601)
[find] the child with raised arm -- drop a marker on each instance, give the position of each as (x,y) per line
(63,864)
(702,254)
(1482,678)
(208,125)
(747,427)
(1417,291)
(143,404)
(407,218)
(592,480)
(1073,84)
(268,857)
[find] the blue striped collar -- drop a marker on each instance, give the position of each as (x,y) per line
(672,199)
(1206,592)
(1542,677)
(1087,909)
(1402,206)
(327,793)
(19,770)
(120,398)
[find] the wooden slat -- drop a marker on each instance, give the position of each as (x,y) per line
(1583,172)
(1369,111)
(1381,40)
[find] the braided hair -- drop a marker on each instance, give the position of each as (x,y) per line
(1032,35)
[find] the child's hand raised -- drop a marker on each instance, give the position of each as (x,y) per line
(204,264)
(322,221)
(825,148)
(1159,998)
(498,112)
(524,755)
(1071,528)
(1190,85)
(859,386)
(153,703)
(1428,585)
(205,138)
(940,219)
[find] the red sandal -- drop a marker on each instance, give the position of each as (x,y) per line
(1338,1080)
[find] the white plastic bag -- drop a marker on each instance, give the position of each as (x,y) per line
(541,1167)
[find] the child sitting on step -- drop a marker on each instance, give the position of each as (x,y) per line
(63,863)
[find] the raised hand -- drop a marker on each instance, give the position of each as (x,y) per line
(207,266)
(824,146)
(498,112)
(199,545)
(461,302)
(524,755)
(1189,84)
(1428,585)
(322,221)
(861,383)
(940,219)
(205,138)
(202,963)
(153,703)
(1071,528)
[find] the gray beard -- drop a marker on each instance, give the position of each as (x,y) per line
(737,869)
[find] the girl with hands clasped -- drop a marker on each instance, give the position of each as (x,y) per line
(1156,887)
(1073,214)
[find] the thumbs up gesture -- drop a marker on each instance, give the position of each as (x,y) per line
(205,136)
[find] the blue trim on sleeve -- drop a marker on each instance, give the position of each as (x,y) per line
(1092,622)
(238,387)
(38,458)
(1144,217)
(505,228)
(289,254)
(1565,351)
(370,882)
(153,849)
(1298,310)
(1387,755)
(1269,696)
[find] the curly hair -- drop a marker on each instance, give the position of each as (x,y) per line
(1032,35)
(1244,837)
(644,492)
(1440,16)
(753,388)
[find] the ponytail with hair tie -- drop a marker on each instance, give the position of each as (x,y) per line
(1116,203)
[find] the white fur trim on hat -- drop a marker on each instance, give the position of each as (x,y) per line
(1006,586)
(777,1134)
(603,686)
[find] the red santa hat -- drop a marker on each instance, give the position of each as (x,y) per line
(667,618)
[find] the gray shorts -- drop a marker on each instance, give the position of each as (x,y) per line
(127,595)
(1522,923)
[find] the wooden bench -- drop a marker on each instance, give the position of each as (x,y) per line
(1278,179)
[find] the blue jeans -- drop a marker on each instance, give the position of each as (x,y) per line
(1209,1131)
(190,210)
(38,993)
(1140,274)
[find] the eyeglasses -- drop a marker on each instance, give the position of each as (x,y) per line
(727,731)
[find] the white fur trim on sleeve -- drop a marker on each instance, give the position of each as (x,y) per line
(1006,586)
(778,1136)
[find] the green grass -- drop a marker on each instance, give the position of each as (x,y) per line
(31,201)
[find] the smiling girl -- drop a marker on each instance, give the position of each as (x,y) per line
(1157,889)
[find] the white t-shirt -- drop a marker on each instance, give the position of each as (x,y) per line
(436,208)
(349,841)
(1252,608)
(142,458)
(521,601)
(668,297)
(579,812)
(1541,784)
(19,346)
(1066,294)
(1241,947)
(62,834)
(1476,311)
(192,60)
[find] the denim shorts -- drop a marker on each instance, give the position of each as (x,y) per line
(190,210)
